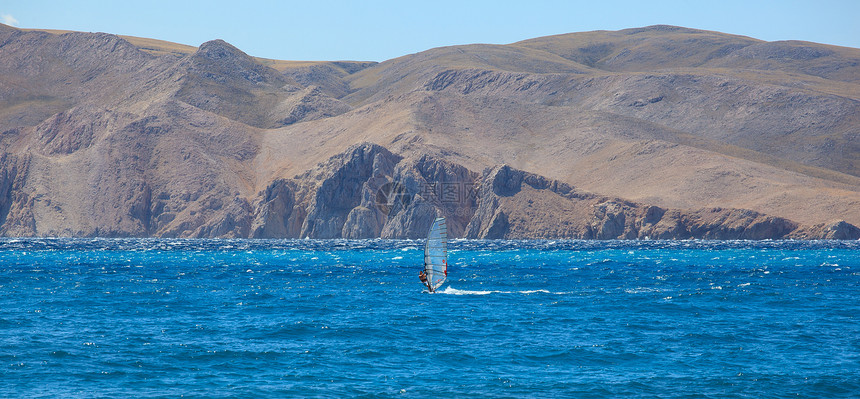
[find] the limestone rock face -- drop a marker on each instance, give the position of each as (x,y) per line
(719,224)
(836,230)
(344,183)
(431,188)
(517,204)
(514,203)
(16,213)
(369,192)
(610,221)
(271,219)
(67,132)
(841,230)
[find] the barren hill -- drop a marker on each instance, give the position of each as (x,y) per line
(660,131)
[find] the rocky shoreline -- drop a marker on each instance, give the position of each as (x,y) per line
(370,192)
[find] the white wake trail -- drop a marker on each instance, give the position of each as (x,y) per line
(453,291)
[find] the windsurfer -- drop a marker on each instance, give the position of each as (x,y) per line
(423,277)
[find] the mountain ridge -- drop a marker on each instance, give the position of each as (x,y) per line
(102,136)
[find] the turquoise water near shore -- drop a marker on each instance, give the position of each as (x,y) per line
(307,318)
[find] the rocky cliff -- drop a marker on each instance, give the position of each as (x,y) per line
(370,192)
(658,132)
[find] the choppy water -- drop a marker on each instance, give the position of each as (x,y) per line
(304,318)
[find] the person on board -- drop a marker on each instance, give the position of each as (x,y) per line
(423,277)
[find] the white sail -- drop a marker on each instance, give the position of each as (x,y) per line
(436,254)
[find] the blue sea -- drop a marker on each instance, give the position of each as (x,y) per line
(349,318)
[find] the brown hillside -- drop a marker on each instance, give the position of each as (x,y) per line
(728,136)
